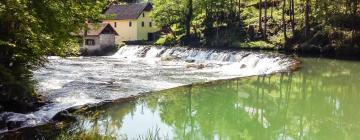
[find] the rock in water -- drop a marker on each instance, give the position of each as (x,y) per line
(190,61)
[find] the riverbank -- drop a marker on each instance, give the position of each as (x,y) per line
(344,53)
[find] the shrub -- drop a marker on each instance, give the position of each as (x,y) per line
(166,40)
(257,45)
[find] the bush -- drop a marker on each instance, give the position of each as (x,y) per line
(166,40)
(17,92)
(277,39)
(256,45)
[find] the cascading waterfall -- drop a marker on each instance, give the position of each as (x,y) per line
(240,63)
(69,82)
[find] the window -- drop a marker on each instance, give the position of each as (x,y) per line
(150,24)
(90,42)
(130,24)
(143,14)
(115,25)
(143,24)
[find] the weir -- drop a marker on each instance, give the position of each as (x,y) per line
(76,81)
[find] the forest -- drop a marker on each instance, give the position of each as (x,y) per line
(329,27)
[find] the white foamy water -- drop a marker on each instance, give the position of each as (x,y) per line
(68,82)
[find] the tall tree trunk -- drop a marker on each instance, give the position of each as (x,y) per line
(348,7)
(272,7)
(354,13)
(283,20)
(289,12)
(239,8)
(307,19)
(232,14)
(265,22)
(189,15)
(316,6)
(260,16)
(292,17)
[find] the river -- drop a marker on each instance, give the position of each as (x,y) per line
(134,70)
(319,101)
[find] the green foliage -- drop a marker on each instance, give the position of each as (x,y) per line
(208,16)
(31,30)
(257,45)
(84,136)
(95,134)
(168,12)
(166,40)
(222,23)
(277,39)
(250,16)
(17,93)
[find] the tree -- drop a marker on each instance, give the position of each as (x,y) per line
(260,16)
(189,16)
(31,30)
(292,16)
(265,22)
(284,20)
(307,19)
(354,6)
(168,13)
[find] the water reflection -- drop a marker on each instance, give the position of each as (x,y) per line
(318,102)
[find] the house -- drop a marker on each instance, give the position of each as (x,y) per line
(98,37)
(132,21)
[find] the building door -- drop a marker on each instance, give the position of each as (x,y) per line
(151,37)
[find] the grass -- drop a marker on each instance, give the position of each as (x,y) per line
(95,134)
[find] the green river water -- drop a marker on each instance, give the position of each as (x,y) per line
(318,102)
